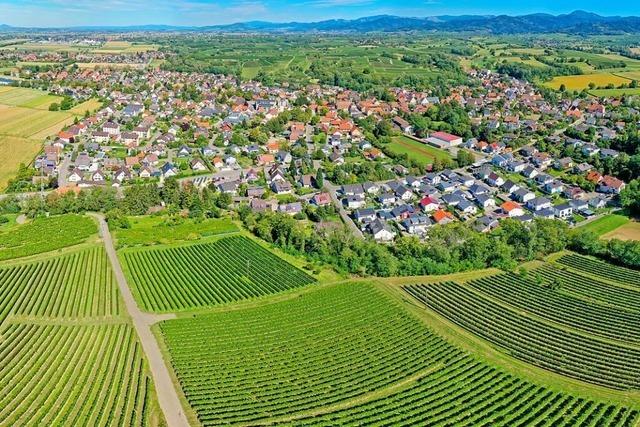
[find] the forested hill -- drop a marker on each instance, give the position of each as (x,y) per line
(578,22)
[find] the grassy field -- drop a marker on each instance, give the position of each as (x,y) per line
(580,82)
(119,47)
(70,355)
(90,106)
(149,230)
(422,153)
(614,92)
(13,152)
(605,224)
(349,355)
(28,98)
(45,235)
(628,231)
(199,275)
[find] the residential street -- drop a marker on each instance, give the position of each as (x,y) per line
(167,394)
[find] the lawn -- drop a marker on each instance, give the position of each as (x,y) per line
(579,82)
(421,153)
(149,230)
(605,224)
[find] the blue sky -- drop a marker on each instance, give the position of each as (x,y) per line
(205,12)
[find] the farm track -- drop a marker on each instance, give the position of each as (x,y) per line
(167,394)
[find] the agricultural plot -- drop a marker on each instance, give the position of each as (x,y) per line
(119,47)
(226,270)
(45,235)
(149,230)
(70,356)
(540,343)
(27,98)
(605,224)
(14,151)
(582,81)
(91,105)
(348,355)
(597,268)
(628,231)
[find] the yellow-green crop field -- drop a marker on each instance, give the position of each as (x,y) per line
(580,82)
(25,121)
(117,47)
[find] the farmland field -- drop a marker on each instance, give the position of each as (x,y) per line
(44,235)
(550,345)
(582,81)
(614,92)
(205,274)
(90,106)
(14,151)
(149,230)
(70,355)
(28,98)
(628,231)
(421,153)
(348,355)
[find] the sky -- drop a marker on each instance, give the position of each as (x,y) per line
(59,13)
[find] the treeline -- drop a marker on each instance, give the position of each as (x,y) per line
(452,248)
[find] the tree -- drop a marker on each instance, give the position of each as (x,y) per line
(54,107)
(630,196)
(320,178)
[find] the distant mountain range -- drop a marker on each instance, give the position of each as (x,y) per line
(578,22)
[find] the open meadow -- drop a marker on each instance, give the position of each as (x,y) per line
(421,153)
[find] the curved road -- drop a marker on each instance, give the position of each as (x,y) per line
(167,395)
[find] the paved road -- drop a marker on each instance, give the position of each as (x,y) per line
(167,395)
(343,213)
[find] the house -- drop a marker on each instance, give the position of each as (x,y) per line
(321,199)
(529,172)
(523,195)
(444,140)
(510,187)
(354,202)
(554,187)
(467,207)
(416,224)
(494,180)
(539,203)
(198,165)
(402,211)
(229,187)
(485,201)
(259,205)
(610,185)
(485,224)
(403,125)
(168,170)
(564,210)
(442,217)
(75,176)
(281,187)
(452,199)
(548,213)
(290,208)
(352,190)
(512,209)
(364,215)
(184,151)
(381,231)
(256,191)
(429,204)
(371,187)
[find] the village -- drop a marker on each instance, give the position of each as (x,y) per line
(274,147)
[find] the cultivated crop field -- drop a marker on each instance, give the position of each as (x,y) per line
(582,81)
(628,231)
(70,356)
(602,269)
(348,355)
(586,331)
(28,98)
(45,235)
(200,275)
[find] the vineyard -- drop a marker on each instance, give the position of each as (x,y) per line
(226,270)
(348,355)
(79,284)
(562,350)
(69,355)
(602,269)
(45,235)
(72,375)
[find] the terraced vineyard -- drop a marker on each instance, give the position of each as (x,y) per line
(557,349)
(590,289)
(602,269)
(226,270)
(348,355)
(525,294)
(68,354)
